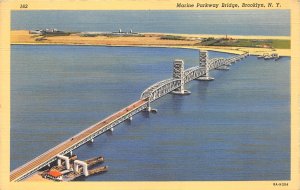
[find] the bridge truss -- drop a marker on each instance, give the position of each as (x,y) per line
(164,87)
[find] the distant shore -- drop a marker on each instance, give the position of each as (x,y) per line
(187,41)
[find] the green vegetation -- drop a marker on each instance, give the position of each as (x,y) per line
(112,35)
(89,35)
(280,44)
(171,37)
(40,38)
(210,41)
(59,33)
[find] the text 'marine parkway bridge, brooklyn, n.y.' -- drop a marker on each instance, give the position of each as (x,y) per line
(154,92)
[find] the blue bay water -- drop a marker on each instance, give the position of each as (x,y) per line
(236,127)
(231,22)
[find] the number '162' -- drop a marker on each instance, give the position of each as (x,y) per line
(24,6)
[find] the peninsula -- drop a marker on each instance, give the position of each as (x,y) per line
(255,45)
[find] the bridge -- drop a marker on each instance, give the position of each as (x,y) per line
(181,76)
(154,92)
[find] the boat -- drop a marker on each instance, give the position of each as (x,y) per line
(268,57)
(271,56)
(262,56)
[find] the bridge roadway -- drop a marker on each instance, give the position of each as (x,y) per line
(77,140)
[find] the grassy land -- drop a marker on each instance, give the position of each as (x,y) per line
(281,44)
(171,37)
(256,45)
(272,43)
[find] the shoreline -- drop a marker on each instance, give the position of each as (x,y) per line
(239,51)
(150,40)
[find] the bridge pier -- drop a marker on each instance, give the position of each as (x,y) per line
(203,58)
(178,73)
(84,165)
(149,109)
(65,158)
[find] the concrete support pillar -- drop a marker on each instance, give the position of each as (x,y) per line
(66,159)
(59,162)
(76,168)
(148,106)
(84,165)
(85,170)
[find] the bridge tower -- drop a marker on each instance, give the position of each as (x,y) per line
(203,64)
(178,73)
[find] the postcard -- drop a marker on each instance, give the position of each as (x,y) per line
(158,94)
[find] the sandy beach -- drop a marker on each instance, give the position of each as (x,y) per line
(191,41)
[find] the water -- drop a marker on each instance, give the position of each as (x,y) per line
(237,22)
(236,127)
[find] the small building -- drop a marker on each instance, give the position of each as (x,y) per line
(121,33)
(54,175)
